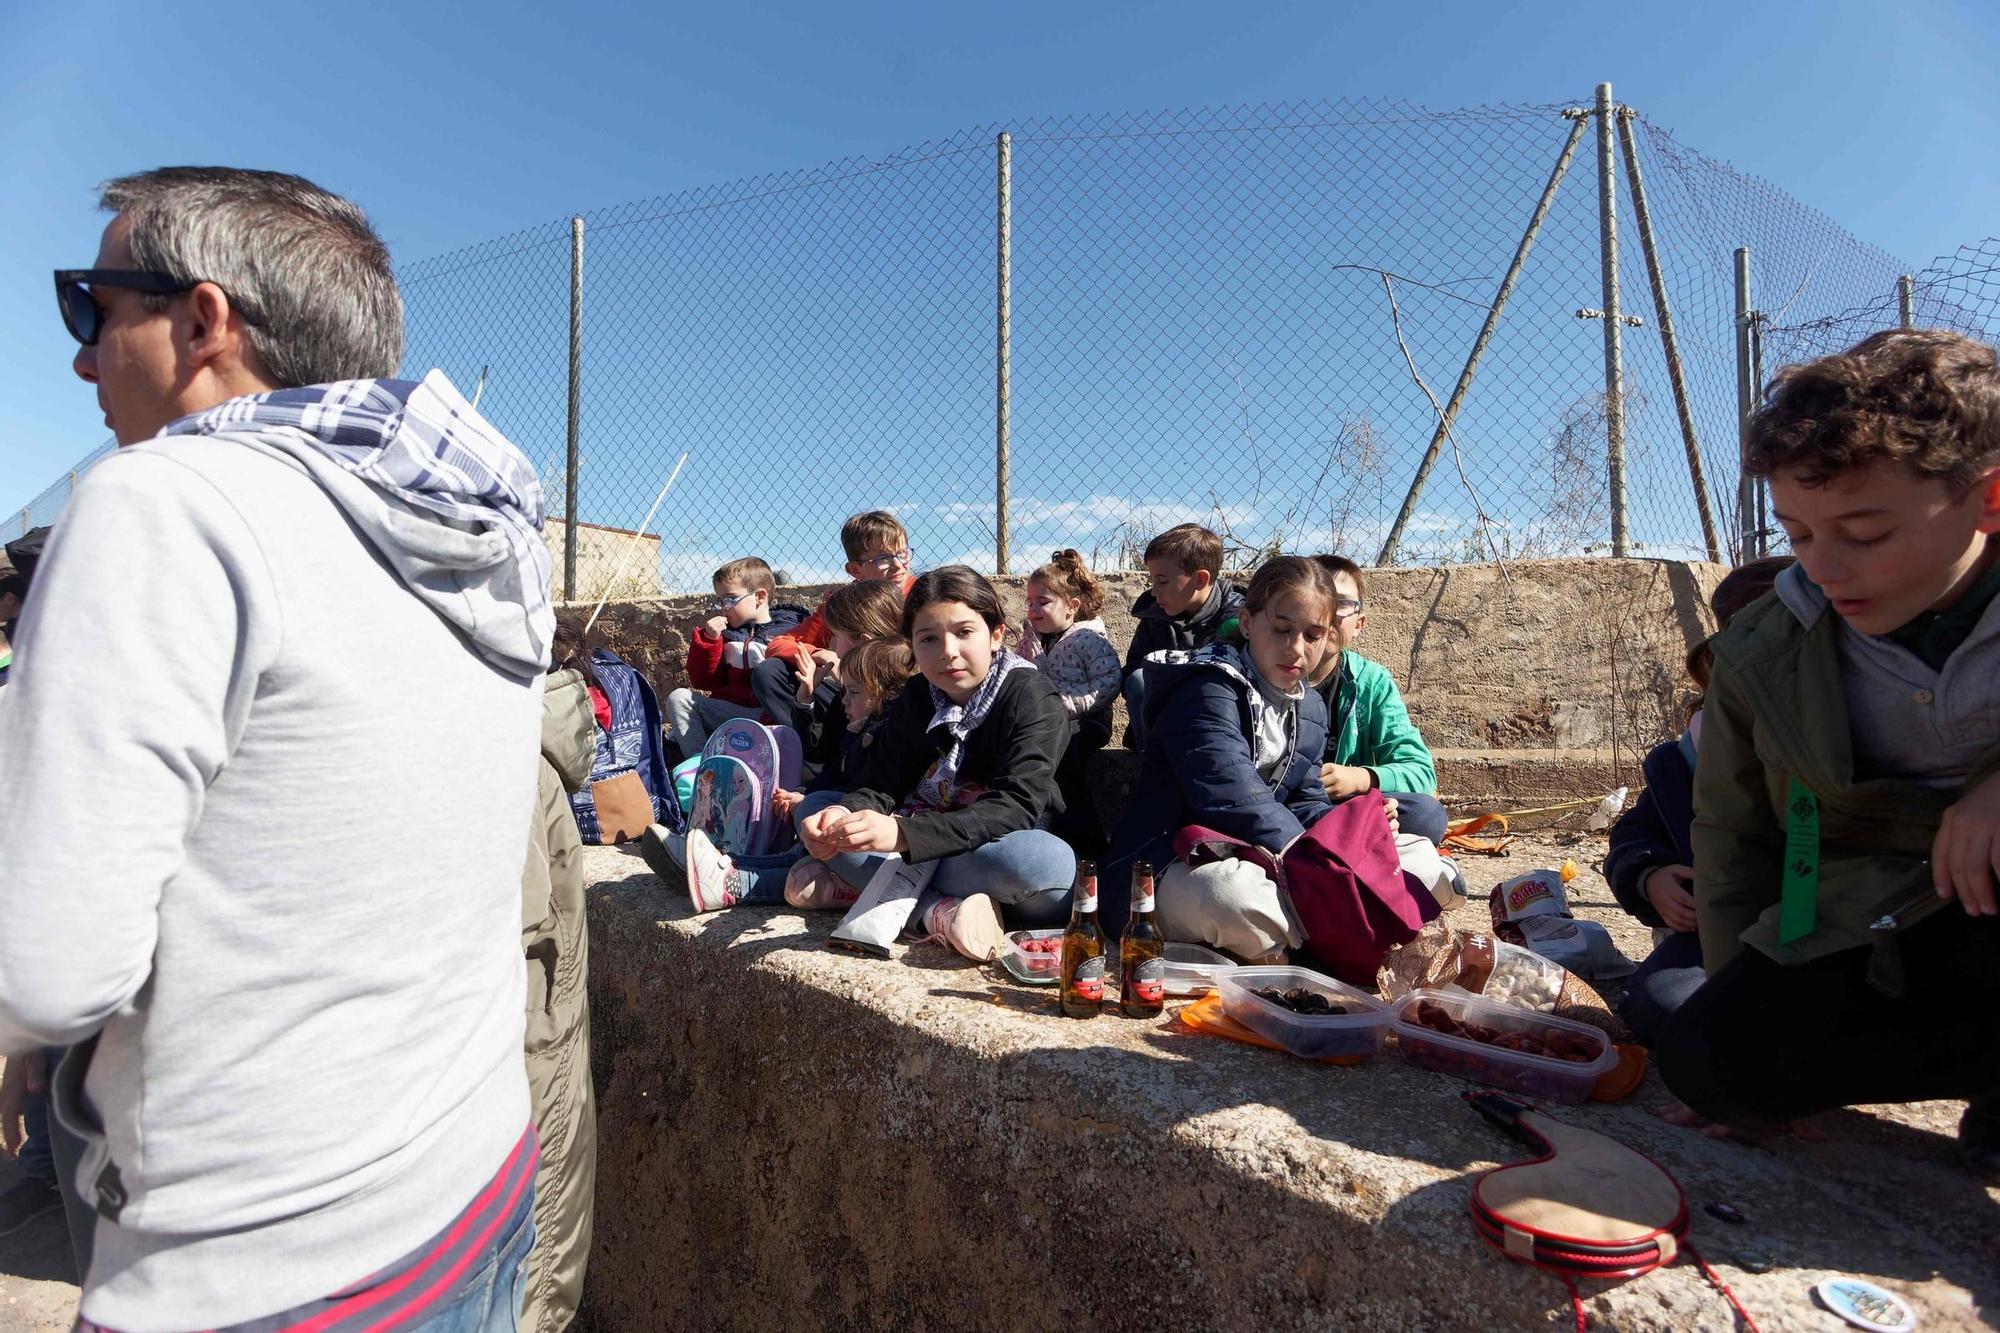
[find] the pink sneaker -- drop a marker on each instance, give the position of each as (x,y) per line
(970,925)
(712,880)
(812,886)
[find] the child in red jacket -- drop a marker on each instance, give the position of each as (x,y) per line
(725,650)
(878,548)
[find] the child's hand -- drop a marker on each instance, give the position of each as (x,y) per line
(1395,813)
(1965,855)
(1344,780)
(807,678)
(715,625)
(866,831)
(814,828)
(1669,889)
(784,802)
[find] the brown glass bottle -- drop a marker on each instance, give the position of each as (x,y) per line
(1083,949)
(1142,972)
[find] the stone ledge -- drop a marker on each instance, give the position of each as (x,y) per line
(791,1134)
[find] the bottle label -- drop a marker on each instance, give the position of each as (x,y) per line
(1149,980)
(1142,904)
(1088,980)
(1086,899)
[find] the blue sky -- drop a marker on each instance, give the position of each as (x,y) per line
(455,125)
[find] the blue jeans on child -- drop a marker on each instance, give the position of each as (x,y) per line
(1662,984)
(1420,814)
(1028,873)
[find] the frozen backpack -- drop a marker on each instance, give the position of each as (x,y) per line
(774,757)
(629,784)
(730,807)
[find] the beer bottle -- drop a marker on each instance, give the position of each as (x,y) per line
(1083,949)
(1142,972)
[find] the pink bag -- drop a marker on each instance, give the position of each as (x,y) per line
(1353,899)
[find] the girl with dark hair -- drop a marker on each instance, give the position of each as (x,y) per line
(961,772)
(1067,642)
(1234,734)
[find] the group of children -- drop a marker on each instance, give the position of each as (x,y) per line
(935,732)
(1822,879)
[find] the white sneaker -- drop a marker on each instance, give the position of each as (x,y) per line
(712,880)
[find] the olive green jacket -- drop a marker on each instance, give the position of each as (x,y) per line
(558,1040)
(1778,709)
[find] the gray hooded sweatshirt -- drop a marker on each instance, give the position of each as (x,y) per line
(268,757)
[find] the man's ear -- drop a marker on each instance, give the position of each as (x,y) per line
(216,337)
(1988,488)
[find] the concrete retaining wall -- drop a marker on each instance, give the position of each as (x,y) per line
(791,1137)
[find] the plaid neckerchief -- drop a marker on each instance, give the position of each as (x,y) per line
(961,720)
(421,444)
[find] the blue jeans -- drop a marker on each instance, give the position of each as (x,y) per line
(38,1157)
(1134,692)
(767,877)
(1420,814)
(1028,873)
(493,1304)
(1661,985)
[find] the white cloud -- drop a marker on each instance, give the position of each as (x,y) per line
(1095,513)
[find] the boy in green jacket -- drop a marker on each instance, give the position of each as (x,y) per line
(1845,809)
(1371,744)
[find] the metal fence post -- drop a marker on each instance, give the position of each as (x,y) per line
(1614,363)
(1387,555)
(1003,337)
(1906,301)
(575,404)
(1668,343)
(1746,403)
(1761,486)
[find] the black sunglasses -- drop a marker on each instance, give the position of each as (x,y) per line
(83,317)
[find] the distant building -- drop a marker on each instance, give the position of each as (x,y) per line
(601,553)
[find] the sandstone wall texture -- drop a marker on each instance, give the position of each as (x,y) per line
(1537,679)
(792,1137)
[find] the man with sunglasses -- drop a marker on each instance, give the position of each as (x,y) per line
(283,946)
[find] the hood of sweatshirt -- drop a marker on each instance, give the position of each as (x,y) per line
(1273,713)
(450,505)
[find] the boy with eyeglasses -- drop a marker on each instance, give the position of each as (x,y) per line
(1371,744)
(725,649)
(878,548)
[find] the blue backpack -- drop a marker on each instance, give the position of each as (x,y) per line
(635,744)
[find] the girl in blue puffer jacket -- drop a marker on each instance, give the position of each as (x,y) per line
(1234,734)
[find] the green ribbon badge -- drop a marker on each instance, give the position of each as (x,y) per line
(1798,907)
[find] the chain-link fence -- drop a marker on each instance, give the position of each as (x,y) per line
(1361,326)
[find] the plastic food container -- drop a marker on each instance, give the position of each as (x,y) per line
(1356,1033)
(1032,969)
(1192,969)
(1540,1077)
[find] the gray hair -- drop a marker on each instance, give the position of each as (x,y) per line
(303,267)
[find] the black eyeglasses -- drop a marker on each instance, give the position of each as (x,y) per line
(83,316)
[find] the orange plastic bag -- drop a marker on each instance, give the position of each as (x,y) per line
(1207,1015)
